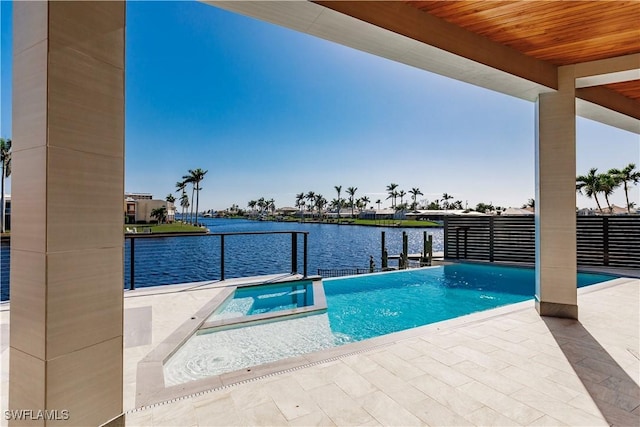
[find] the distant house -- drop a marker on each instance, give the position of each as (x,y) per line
(130,210)
(376,214)
(517,212)
(138,196)
(615,210)
(586,212)
(287,211)
(138,208)
(344,213)
(432,214)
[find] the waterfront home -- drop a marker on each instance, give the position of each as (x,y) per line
(138,208)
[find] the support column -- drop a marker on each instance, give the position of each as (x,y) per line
(68,185)
(556,293)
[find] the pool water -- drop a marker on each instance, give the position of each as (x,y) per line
(358,308)
(362,307)
(266,299)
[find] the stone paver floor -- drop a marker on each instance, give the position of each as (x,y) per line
(510,367)
(507,366)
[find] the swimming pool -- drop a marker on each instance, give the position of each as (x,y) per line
(362,307)
(254,300)
(358,308)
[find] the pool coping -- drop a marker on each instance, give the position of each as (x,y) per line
(151,391)
(319,305)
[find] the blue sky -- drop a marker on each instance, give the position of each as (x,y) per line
(270,112)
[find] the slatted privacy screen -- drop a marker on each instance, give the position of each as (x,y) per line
(601,241)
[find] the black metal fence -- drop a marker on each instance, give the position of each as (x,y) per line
(601,240)
(222,238)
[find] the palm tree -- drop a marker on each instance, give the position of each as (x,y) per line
(415,192)
(5,160)
(320,203)
(401,194)
(311,197)
(391,189)
(531,203)
(351,191)
(252,204)
(300,203)
(589,185)
(445,200)
(607,184)
(180,187)
(365,201)
(626,176)
(339,191)
(184,203)
(188,179)
(392,195)
(196,177)
(159,213)
(262,203)
(378,203)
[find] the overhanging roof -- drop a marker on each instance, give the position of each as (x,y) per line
(513,47)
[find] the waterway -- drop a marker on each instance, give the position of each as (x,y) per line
(190,259)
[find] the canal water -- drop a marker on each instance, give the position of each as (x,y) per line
(188,259)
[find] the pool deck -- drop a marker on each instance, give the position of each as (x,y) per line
(506,366)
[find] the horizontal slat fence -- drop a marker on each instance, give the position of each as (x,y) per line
(601,240)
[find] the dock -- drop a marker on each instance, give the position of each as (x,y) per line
(416,257)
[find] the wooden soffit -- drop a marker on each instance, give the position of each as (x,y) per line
(528,39)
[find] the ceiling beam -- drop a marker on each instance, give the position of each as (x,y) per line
(406,20)
(605,71)
(610,99)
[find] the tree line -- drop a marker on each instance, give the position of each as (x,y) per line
(316,202)
(595,183)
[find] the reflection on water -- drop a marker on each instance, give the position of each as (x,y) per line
(190,259)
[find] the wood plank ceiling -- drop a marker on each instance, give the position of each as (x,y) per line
(559,32)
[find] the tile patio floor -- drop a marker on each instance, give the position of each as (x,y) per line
(506,366)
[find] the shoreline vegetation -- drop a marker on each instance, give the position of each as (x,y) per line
(407,223)
(180,227)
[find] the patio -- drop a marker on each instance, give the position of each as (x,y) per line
(506,366)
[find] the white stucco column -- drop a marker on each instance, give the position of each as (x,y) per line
(556,293)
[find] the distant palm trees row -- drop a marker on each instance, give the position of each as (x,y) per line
(595,183)
(194,177)
(312,201)
(263,204)
(316,201)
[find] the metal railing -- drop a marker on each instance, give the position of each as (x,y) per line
(339,272)
(294,247)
